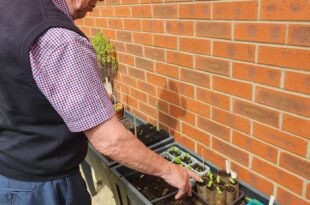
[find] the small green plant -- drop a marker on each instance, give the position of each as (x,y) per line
(177,160)
(232,181)
(218,189)
(210,184)
(218,179)
(174,149)
(185,156)
(105,56)
(211,176)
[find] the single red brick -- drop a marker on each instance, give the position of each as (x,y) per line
(230,151)
(281,139)
(258,74)
(299,82)
(296,165)
(284,101)
(195,10)
(213,98)
(182,114)
(296,125)
(235,10)
(144,64)
(178,58)
(238,51)
(233,87)
(213,128)
(195,106)
(154,26)
(134,49)
(139,74)
(146,87)
(132,24)
(299,35)
(259,32)
(154,53)
(232,120)
(179,27)
(167,70)
(212,65)
(286,57)
(141,11)
(256,112)
(194,45)
(121,11)
(165,11)
(196,134)
(165,41)
(181,88)
(143,38)
(193,76)
(287,198)
(293,10)
(213,29)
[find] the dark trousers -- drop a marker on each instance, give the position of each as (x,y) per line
(69,190)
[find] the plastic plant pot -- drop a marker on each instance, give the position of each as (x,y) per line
(234,183)
(230,194)
(202,188)
(224,176)
(220,195)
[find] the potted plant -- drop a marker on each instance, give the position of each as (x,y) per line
(186,158)
(224,175)
(220,195)
(219,181)
(234,183)
(211,193)
(202,187)
(174,151)
(230,194)
(105,55)
(119,109)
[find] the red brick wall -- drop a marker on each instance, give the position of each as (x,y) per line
(229,79)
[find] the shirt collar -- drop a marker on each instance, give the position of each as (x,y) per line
(62,6)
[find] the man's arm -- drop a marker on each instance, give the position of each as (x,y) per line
(112,139)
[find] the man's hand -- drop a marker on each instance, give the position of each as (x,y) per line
(179,177)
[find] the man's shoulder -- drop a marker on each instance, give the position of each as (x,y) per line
(55,37)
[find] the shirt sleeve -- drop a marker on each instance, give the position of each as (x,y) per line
(65,68)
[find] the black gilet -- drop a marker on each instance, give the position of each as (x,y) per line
(35,143)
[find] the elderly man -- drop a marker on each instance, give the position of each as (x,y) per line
(52,103)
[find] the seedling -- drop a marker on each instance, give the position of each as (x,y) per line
(218,179)
(210,184)
(177,160)
(218,189)
(232,181)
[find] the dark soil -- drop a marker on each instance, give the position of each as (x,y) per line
(229,188)
(149,135)
(174,153)
(198,168)
(171,201)
(223,173)
(186,160)
(151,187)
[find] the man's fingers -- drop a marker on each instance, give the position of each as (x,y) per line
(189,191)
(180,194)
(194,176)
